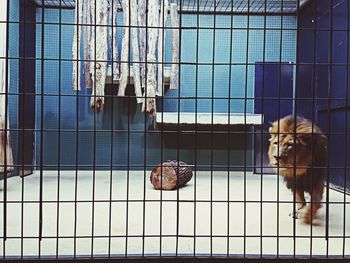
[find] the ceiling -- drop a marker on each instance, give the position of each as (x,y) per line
(56,3)
(240,6)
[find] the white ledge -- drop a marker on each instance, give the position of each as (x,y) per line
(209,118)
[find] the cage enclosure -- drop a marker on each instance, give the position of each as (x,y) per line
(95,94)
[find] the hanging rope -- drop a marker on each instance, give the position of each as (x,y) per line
(161,42)
(149,104)
(113,39)
(100,61)
(135,50)
(124,74)
(95,38)
(174,80)
(77,40)
(143,40)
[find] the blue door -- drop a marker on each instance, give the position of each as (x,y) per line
(273,99)
(333,116)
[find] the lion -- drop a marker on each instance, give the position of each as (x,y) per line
(298,152)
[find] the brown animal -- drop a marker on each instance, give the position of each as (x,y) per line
(298,151)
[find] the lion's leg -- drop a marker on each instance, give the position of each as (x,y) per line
(300,199)
(312,208)
(300,202)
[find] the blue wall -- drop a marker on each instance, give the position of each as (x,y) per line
(13,61)
(322,78)
(221,55)
(137,143)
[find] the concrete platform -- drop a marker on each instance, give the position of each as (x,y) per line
(138,222)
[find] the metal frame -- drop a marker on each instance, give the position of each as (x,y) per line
(216,8)
(209,6)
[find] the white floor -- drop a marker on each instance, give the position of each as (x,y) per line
(142,215)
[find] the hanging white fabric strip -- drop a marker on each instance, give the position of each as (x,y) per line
(113,38)
(174,80)
(123,81)
(87,40)
(135,50)
(100,65)
(143,40)
(149,104)
(78,20)
(92,41)
(161,42)
(5,140)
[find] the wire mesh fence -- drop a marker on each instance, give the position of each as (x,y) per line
(146,128)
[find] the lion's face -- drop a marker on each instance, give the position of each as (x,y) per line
(283,150)
(289,148)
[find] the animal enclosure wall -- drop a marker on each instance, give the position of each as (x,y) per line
(79,184)
(122,118)
(323,78)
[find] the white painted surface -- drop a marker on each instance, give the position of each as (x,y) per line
(227,218)
(209,118)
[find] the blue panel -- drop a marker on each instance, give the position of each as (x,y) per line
(339,45)
(322,77)
(27,86)
(308,43)
(323,13)
(327,103)
(274,99)
(323,46)
(305,92)
(273,81)
(338,86)
(339,155)
(307,17)
(340,18)
(240,85)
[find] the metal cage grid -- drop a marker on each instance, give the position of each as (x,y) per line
(233,8)
(273,6)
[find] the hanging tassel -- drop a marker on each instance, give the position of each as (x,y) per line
(125,50)
(135,50)
(161,42)
(149,104)
(174,80)
(78,19)
(113,38)
(100,65)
